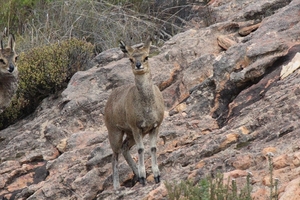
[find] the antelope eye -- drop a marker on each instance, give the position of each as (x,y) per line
(16,58)
(2,61)
(146,58)
(131,60)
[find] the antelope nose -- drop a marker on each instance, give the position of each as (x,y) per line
(11,68)
(138,64)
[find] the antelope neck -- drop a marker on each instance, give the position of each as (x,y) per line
(144,86)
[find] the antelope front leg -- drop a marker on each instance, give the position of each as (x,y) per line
(153,140)
(141,166)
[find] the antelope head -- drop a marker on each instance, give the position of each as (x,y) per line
(8,56)
(138,57)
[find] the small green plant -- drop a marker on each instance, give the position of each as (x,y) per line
(273,185)
(209,189)
(43,71)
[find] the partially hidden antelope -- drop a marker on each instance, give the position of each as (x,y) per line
(8,72)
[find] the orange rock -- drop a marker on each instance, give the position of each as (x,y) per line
(51,154)
(157,194)
(266,180)
(283,174)
(29,166)
(226,41)
(281,189)
(244,130)
(200,164)
(181,107)
(234,175)
(21,182)
(173,74)
(267,150)
(292,190)
(280,161)
(243,162)
(150,178)
(247,30)
(260,194)
(296,159)
(237,173)
(62,145)
(9,165)
(232,137)
(192,175)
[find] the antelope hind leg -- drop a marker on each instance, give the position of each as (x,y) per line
(127,144)
(116,181)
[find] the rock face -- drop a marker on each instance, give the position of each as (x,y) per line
(226,110)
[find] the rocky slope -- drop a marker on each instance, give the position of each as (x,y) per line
(226,110)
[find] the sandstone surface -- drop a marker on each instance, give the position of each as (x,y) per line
(225,111)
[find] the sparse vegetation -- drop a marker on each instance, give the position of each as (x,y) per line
(209,189)
(102,23)
(216,189)
(14,14)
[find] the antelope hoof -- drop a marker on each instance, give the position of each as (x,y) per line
(134,180)
(142,181)
(157,179)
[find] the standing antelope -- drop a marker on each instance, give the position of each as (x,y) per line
(135,110)
(8,73)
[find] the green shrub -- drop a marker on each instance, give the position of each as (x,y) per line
(209,189)
(43,71)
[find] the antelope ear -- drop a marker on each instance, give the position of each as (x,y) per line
(147,44)
(125,49)
(11,42)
